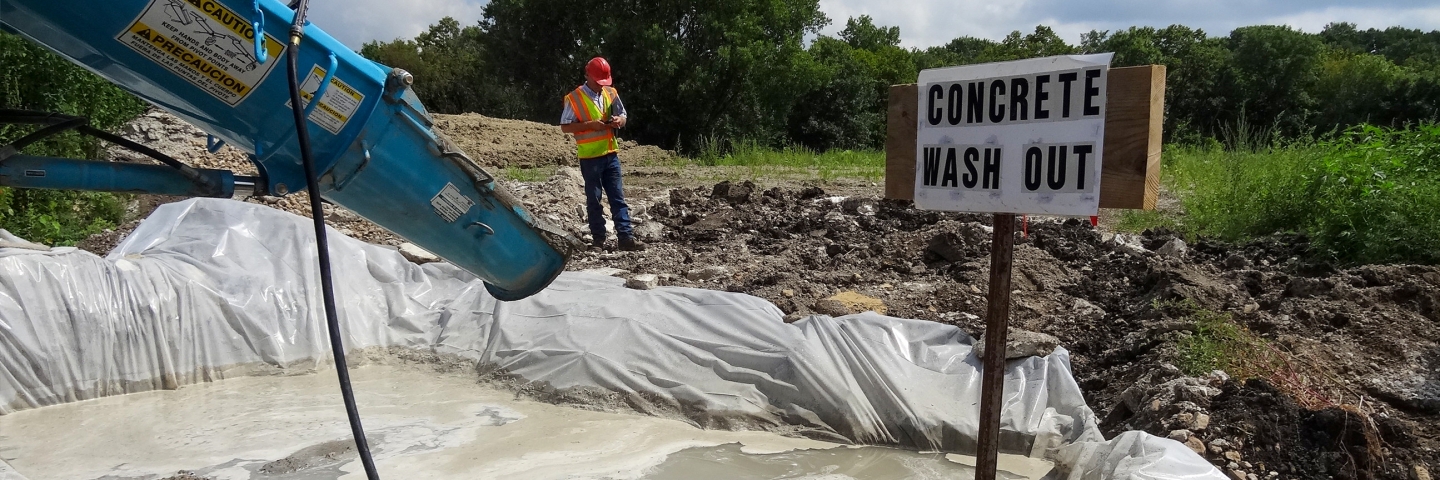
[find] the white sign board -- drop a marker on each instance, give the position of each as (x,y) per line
(1012,137)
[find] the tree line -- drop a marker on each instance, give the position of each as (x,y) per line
(695,74)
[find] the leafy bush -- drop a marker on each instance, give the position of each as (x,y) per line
(52,216)
(58,217)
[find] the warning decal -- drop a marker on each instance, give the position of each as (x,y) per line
(450,204)
(339,103)
(203,42)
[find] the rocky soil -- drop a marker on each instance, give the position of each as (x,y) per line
(1347,384)
(1352,390)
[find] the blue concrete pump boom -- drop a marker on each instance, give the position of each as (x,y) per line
(218,65)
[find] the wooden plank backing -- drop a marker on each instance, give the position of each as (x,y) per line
(1134,118)
(1130,177)
(900,135)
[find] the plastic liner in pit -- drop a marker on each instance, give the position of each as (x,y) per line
(206,289)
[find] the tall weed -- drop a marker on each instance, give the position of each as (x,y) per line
(1376,195)
(1366,195)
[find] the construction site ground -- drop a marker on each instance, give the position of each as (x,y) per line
(1338,375)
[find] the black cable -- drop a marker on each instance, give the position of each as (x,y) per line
(47,132)
(317,213)
(136,147)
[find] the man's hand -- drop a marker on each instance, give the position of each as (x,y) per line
(592,125)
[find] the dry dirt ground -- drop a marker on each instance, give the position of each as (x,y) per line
(1342,379)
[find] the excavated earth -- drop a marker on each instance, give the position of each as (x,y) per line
(1352,389)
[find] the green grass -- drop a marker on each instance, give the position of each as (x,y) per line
(1368,195)
(748,160)
(1217,343)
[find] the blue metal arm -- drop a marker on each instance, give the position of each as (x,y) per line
(375,149)
(26,171)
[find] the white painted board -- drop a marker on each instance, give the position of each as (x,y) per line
(1012,137)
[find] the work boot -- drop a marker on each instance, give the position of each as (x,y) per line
(630,244)
(598,244)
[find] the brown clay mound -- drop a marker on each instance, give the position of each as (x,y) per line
(499,143)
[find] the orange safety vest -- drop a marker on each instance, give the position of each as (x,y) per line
(593,143)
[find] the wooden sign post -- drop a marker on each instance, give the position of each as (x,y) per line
(1059,135)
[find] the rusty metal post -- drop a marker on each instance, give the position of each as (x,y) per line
(997,322)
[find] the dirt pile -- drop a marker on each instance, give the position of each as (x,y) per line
(1351,391)
(494,142)
(176,138)
(499,143)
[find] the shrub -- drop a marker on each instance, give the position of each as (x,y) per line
(1375,194)
(53,216)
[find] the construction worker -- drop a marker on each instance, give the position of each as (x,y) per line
(592,113)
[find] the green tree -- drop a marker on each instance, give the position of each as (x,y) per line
(1193,64)
(55,216)
(1354,88)
(1272,74)
(960,51)
(398,53)
(846,107)
(689,71)
(1043,42)
(452,73)
(862,34)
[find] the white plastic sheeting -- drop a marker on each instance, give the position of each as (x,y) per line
(209,288)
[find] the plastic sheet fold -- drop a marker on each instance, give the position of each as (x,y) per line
(206,289)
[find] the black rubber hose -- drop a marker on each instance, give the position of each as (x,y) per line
(47,132)
(327,285)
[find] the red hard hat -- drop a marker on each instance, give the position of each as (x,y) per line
(598,70)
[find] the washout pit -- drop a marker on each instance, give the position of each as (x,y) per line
(196,349)
(422,424)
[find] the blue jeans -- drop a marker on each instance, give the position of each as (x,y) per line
(602,176)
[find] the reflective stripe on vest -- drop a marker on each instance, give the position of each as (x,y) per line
(593,143)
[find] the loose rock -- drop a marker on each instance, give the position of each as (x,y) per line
(414,253)
(1021,343)
(644,281)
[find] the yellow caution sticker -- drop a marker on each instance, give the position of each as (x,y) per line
(339,103)
(205,43)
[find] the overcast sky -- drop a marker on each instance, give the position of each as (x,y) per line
(926,23)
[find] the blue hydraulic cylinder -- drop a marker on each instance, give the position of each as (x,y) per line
(24,171)
(375,147)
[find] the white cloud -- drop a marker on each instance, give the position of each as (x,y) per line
(925,23)
(1426,18)
(355,22)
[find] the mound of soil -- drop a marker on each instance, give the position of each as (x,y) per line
(499,142)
